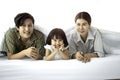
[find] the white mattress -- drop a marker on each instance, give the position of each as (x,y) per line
(27,69)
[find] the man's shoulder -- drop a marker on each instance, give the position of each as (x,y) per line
(38,32)
(11,31)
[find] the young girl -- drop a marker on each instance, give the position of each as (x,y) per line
(56,45)
(85,41)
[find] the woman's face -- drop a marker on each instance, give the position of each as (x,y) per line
(82,26)
(26,29)
(57,43)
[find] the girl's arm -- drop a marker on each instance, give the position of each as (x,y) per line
(64,54)
(50,56)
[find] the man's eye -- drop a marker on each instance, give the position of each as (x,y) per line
(78,24)
(29,26)
(23,25)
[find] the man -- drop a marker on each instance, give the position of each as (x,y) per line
(24,40)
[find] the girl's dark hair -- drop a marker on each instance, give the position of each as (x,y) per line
(59,34)
(83,15)
(21,17)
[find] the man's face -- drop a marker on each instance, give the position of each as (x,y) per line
(26,29)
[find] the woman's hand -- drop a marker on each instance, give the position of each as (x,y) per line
(79,56)
(83,57)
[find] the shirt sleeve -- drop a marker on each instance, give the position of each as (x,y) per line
(72,45)
(98,45)
(40,42)
(48,47)
(9,42)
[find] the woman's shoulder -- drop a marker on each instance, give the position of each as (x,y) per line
(73,31)
(94,30)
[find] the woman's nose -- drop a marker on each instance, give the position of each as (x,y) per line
(81,27)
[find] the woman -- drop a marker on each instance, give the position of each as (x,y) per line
(85,41)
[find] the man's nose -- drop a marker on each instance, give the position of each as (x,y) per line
(27,28)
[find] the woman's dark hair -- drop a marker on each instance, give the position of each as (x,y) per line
(59,34)
(21,17)
(83,15)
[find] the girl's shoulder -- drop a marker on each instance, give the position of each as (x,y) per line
(48,47)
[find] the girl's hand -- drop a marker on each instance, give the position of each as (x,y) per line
(55,49)
(61,47)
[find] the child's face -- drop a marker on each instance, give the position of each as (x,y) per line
(82,26)
(57,43)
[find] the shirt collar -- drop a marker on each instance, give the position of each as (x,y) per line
(90,36)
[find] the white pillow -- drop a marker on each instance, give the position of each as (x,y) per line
(111,41)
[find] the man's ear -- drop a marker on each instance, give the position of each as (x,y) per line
(17,28)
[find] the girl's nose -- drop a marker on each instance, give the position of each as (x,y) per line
(58,42)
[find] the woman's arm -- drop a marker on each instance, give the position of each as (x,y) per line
(98,44)
(72,47)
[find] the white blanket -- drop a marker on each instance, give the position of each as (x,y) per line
(27,69)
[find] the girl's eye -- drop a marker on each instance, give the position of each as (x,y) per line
(54,39)
(60,40)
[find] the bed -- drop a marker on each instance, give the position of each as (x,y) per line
(98,69)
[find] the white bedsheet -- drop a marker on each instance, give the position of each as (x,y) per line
(98,69)
(27,69)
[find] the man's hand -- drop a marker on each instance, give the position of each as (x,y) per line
(32,53)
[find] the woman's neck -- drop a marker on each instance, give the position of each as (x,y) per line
(84,37)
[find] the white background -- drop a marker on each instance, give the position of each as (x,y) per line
(60,13)
(49,14)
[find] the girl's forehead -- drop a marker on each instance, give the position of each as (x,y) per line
(57,37)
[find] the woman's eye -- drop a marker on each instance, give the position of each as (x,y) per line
(78,24)
(84,24)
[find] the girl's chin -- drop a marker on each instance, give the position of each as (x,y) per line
(57,47)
